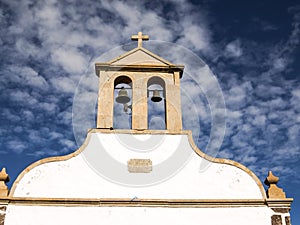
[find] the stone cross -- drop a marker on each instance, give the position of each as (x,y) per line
(140,37)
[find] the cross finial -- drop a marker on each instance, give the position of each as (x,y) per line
(140,37)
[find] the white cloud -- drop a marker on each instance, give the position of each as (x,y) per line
(49,15)
(18,129)
(64,117)
(294,132)
(70,59)
(48,107)
(20,96)
(27,115)
(55,135)
(11,116)
(35,136)
(279,64)
(236,97)
(16,146)
(233,49)
(68,143)
(296,99)
(259,120)
(26,48)
(63,84)
(37,154)
(28,76)
(278,104)
(194,36)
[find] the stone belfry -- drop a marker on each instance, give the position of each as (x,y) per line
(140,69)
(140,176)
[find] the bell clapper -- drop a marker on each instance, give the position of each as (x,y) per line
(126,107)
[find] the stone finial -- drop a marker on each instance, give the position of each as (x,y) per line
(3,179)
(274,191)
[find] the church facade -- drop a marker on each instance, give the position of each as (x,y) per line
(140,176)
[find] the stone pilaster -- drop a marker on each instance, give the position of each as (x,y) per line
(277,201)
(281,216)
(288,220)
(139,103)
(2,214)
(105,101)
(276,220)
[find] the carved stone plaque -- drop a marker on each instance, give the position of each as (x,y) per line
(139,165)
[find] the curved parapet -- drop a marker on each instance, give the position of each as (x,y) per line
(137,164)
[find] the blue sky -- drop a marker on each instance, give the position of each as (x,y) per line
(252,48)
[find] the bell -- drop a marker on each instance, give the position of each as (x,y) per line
(122,97)
(156,96)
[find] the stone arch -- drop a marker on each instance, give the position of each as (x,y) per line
(157,116)
(122,79)
(122,116)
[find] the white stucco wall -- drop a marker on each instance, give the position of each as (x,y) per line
(100,171)
(45,215)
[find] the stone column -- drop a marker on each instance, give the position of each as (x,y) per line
(139,104)
(173,105)
(105,100)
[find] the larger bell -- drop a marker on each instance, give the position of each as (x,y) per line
(122,97)
(156,96)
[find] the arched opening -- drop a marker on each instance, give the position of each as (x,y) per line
(122,103)
(156,104)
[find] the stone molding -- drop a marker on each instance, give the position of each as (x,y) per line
(279,203)
(139,68)
(281,210)
(98,202)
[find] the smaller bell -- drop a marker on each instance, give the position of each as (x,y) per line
(156,96)
(122,97)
